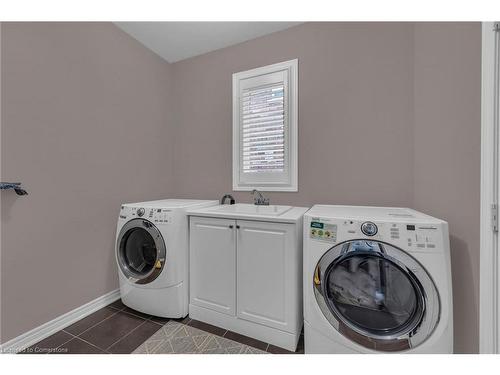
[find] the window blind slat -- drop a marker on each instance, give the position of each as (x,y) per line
(263,129)
(253,121)
(275,131)
(261,124)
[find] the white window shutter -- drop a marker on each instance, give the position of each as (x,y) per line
(265,128)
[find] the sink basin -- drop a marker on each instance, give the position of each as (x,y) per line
(252,209)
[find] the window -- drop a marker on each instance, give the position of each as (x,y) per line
(265,128)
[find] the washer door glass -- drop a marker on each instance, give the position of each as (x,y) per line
(373,293)
(372,297)
(140,251)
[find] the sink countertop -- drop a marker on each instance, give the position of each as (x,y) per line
(292,215)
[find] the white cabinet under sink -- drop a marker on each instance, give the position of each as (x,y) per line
(246,276)
(265,272)
(212,266)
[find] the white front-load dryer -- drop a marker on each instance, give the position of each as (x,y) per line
(152,255)
(376,280)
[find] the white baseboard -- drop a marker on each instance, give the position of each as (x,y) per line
(45,330)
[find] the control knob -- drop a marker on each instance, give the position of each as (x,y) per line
(369,228)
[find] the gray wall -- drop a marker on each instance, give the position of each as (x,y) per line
(447,160)
(389,114)
(86,113)
(355,113)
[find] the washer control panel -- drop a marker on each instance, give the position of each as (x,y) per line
(160,215)
(424,237)
(369,228)
(412,236)
(323,231)
(155,215)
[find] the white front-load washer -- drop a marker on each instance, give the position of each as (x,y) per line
(152,255)
(376,280)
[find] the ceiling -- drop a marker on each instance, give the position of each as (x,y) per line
(175,41)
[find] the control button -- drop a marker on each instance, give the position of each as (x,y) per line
(369,228)
(327,234)
(140,211)
(320,232)
(313,232)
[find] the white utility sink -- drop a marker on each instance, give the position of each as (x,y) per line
(252,209)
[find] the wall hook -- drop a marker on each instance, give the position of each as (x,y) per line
(16,186)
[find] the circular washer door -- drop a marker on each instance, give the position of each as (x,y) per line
(140,251)
(376,295)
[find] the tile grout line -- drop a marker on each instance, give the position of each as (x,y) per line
(117,311)
(74,336)
(121,338)
(81,333)
(64,343)
(94,345)
(69,333)
(140,325)
(136,314)
(79,338)
(158,323)
(149,318)
(115,308)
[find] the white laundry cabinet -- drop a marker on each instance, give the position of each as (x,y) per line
(246,276)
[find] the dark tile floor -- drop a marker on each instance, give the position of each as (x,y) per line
(117,329)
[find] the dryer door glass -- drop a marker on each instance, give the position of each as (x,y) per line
(140,251)
(376,294)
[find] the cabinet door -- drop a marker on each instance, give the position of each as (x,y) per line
(264,254)
(213,264)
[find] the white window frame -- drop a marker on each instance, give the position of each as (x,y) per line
(291,130)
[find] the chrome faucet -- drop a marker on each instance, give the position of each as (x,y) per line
(259,200)
(227,196)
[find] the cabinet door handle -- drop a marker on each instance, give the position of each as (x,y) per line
(230,227)
(237,227)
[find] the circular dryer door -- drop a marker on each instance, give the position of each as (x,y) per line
(140,251)
(376,295)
